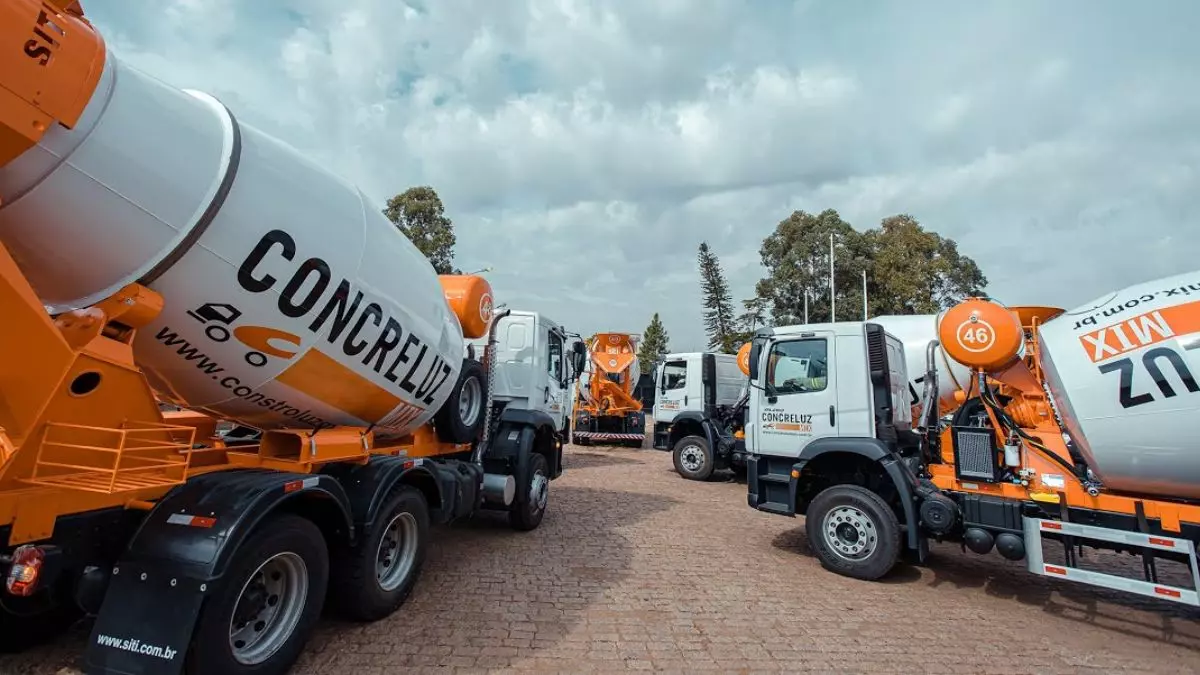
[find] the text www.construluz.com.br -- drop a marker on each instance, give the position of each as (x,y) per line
(212,368)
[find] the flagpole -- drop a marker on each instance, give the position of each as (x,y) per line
(864,295)
(832,297)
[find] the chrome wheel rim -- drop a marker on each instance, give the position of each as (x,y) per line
(268,608)
(850,533)
(539,490)
(469,401)
(397,551)
(692,458)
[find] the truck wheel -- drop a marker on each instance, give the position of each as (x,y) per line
(693,458)
(258,620)
(853,532)
(461,416)
(374,578)
(527,515)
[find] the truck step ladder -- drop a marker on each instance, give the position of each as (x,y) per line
(1035,561)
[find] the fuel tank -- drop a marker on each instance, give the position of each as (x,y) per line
(1122,371)
(915,332)
(289,299)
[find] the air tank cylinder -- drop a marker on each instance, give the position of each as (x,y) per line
(290,300)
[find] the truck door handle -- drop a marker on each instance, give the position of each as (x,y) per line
(685,399)
(546,398)
(831,416)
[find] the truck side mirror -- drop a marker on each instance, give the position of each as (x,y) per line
(755,354)
(579,359)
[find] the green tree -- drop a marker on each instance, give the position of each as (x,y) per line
(909,269)
(418,213)
(751,319)
(655,345)
(916,271)
(719,321)
(796,256)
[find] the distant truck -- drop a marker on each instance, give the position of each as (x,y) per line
(697,412)
(536,363)
(606,411)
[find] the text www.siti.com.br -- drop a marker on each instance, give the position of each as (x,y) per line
(136,646)
(211,367)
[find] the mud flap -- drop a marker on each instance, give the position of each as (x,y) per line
(180,554)
(146,623)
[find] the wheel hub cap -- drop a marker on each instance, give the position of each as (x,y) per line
(850,533)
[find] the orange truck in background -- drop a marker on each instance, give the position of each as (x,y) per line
(606,411)
(153,248)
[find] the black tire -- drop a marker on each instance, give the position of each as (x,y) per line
(356,591)
(36,620)
(449,421)
(867,519)
(526,514)
(211,649)
(693,458)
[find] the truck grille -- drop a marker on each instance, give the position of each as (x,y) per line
(975,455)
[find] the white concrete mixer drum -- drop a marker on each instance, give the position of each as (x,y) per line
(290,301)
(1123,372)
(916,332)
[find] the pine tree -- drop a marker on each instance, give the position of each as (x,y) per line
(719,321)
(751,320)
(655,345)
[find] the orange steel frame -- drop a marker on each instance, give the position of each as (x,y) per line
(606,397)
(1031,410)
(80,427)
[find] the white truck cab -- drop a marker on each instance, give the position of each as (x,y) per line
(696,390)
(830,435)
(813,382)
(536,363)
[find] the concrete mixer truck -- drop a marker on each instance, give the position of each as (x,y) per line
(1033,425)
(605,408)
(153,247)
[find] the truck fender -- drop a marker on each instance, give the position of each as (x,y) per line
(368,486)
(537,420)
(707,429)
(512,447)
(874,450)
(181,550)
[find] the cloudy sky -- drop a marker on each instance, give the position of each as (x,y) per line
(584,148)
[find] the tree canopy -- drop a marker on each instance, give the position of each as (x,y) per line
(418,213)
(909,270)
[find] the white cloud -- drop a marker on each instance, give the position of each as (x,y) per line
(585,147)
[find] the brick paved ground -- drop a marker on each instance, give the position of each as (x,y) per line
(636,569)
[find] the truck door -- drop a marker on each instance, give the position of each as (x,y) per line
(798,401)
(556,380)
(672,389)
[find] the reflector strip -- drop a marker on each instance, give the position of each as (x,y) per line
(190,520)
